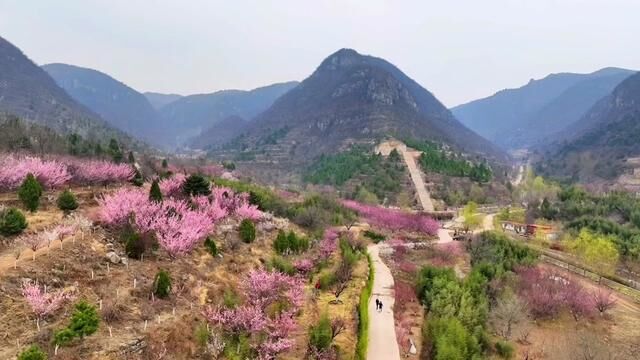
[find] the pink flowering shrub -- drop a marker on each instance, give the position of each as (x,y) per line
(100,172)
(176,225)
(548,292)
(264,292)
(172,186)
(248,211)
(43,303)
(408,267)
(14,169)
(328,244)
(303,266)
(392,219)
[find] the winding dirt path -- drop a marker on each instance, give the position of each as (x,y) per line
(382,332)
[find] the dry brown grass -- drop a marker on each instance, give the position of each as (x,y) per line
(201,278)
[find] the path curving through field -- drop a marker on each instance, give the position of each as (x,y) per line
(382,331)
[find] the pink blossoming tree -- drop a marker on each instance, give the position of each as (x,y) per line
(393,219)
(263,290)
(41,302)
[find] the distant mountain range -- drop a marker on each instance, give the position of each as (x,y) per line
(598,144)
(29,92)
(158,100)
(529,115)
(188,116)
(353,98)
(117,103)
(164,120)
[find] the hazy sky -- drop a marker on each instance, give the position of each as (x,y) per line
(460,50)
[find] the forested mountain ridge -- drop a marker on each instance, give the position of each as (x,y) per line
(29,92)
(526,116)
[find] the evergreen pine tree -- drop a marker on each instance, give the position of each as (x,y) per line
(30,192)
(247,231)
(67,201)
(162,284)
(114,151)
(196,185)
(12,222)
(155,194)
(131,158)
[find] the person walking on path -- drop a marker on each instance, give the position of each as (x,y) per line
(377,304)
(380,303)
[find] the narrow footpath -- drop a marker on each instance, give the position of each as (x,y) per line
(382,331)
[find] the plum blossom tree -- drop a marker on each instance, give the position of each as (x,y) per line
(14,169)
(116,208)
(248,211)
(177,226)
(32,241)
(94,172)
(303,266)
(263,290)
(172,186)
(41,302)
(394,219)
(603,301)
(209,206)
(328,244)
(64,230)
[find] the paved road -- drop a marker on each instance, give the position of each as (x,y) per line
(382,331)
(416,177)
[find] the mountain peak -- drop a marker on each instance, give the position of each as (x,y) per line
(342,58)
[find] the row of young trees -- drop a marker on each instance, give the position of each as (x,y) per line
(54,173)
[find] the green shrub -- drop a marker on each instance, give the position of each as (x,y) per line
(33,352)
(230,298)
(154,193)
(202,335)
(363,314)
(247,231)
(327,280)
(320,334)
(162,284)
(67,201)
(282,265)
(196,185)
(84,322)
(133,245)
(504,349)
(374,236)
(30,192)
(138,179)
(290,243)
(63,337)
(12,222)
(211,246)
